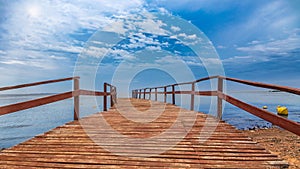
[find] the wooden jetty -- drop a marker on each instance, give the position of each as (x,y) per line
(140,133)
(70,146)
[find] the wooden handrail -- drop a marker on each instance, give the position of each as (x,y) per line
(264,85)
(57,97)
(35,103)
(250,83)
(37,83)
(268,116)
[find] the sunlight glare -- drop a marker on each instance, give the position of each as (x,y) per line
(33,11)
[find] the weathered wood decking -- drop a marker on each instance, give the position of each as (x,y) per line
(151,139)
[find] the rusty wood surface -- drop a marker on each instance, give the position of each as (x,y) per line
(141,134)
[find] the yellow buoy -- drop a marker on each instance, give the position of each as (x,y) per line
(265,107)
(282,110)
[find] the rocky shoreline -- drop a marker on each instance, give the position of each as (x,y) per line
(280,142)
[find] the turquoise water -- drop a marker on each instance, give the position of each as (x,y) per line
(23,125)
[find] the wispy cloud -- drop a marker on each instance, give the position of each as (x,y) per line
(42,35)
(2,52)
(281,47)
(195,5)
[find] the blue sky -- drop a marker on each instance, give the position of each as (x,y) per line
(255,39)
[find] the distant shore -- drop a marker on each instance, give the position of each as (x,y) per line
(280,142)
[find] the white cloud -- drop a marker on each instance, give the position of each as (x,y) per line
(2,52)
(168,60)
(49,23)
(273,47)
(187,60)
(157,48)
(175,28)
(134,45)
(152,26)
(60,47)
(194,5)
(119,54)
(58,57)
(189,37)
(245,59)
(37,41)
(221,47)
(42,35)
(96,52)
(211,62)
(117,27)
(13,62)
(254,42)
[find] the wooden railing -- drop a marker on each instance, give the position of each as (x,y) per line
(75,93)
(264,114)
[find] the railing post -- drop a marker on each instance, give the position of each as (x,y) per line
(193,97)
(150,93)
(115,95)
(140,94)
(105,97)
(155,94)
(76,98)
(220,104)
(144,93)
(173,94)
(165,92)
(112,95)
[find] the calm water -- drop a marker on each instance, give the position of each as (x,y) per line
(20,126)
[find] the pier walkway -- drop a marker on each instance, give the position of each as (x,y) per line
(138,133)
